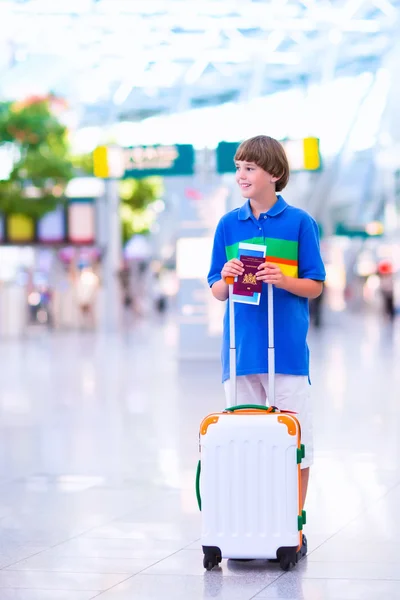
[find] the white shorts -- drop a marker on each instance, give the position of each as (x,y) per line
(292,392)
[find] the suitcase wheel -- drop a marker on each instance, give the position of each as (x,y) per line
(285,563)
(211,559)
(210,562)
(287,557)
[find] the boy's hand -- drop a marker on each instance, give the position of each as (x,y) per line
(270,273)
(232,268)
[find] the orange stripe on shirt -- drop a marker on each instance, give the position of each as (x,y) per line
(282,261)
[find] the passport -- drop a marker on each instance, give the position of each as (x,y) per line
(247,284)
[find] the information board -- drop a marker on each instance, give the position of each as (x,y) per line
(81,223)
(166,161)
(51,228)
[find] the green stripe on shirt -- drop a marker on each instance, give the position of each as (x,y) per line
(275,247)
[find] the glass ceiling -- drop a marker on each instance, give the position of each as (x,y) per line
(118,60)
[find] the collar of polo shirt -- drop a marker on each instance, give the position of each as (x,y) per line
(245,211)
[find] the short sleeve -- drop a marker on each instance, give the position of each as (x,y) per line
(218,256)
(311,265)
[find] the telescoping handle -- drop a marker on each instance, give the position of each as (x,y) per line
(271,347)
(232,346)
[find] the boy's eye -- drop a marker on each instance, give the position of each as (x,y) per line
(237,167)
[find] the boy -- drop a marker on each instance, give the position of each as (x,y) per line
(295,268)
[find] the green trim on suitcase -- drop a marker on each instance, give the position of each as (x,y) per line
(301,452)
(198,484)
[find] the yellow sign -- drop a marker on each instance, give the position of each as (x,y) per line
(20,228)
(100,162)
(108,162)
(312,157)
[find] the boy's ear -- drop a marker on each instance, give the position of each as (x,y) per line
(275,179)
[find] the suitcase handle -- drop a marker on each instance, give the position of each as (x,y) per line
(268,409)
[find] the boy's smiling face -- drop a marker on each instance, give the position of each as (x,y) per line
(253,181)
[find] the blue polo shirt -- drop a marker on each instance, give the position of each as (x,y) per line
(292,240)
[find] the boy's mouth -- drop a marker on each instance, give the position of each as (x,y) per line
(244,185)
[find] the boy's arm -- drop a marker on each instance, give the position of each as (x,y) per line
(306,288)
(232,268)
(311,266)
(220,290)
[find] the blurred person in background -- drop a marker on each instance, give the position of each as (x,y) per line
(386,276)
(86,286)
(316,305)
(158,287)
(126,280)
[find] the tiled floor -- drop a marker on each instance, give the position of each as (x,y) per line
(98,448)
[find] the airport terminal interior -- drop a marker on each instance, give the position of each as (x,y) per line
(119,124)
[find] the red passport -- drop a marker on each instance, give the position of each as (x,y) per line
(247,284)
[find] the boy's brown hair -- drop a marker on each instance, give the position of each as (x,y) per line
(267,153)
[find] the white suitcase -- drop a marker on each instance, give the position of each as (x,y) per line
(249,484)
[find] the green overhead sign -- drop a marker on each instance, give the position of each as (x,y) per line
(373,229)
(225,154)
(165,161)
(303,155)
